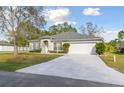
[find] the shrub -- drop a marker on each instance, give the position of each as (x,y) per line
(100,48)
(66,47)
(109,48)
(56,51)
(36,51)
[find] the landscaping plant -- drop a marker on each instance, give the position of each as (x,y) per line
(66,47)
(109,48)
(100,48)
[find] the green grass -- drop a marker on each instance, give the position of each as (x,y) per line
(118,65)
(8,62)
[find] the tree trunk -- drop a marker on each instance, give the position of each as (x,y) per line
(121,44)
(15,46)
(14,32)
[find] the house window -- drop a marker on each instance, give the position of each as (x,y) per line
(57,46)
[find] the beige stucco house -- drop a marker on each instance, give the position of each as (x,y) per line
(79,44)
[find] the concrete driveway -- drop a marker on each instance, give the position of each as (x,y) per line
(83,67)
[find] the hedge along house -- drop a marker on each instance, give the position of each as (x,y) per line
(79,44)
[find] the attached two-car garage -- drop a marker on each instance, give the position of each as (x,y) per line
(82,48)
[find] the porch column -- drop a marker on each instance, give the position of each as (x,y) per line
(57,47)
(41,46)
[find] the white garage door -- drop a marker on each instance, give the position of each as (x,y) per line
(83,48)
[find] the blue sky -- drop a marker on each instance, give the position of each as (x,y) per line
(109,17)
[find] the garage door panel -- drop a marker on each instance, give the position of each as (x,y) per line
(85,48)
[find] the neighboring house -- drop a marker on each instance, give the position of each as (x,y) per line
(5,46)
(79,44)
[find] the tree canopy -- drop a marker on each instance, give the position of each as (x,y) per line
(65,27)
(26,32)
(121,35)
(91,29)
(12,16)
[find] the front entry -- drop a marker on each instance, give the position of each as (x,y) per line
(45,47)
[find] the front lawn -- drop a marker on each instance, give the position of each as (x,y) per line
(10,63)
(118,65)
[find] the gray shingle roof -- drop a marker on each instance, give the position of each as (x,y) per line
(46,37)
(69,36)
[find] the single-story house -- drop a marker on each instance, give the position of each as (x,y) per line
(79,44)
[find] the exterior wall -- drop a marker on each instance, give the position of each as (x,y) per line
(51,46)
(34,45)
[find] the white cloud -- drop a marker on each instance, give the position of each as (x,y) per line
(109,35)
(58,16)
(92,11)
